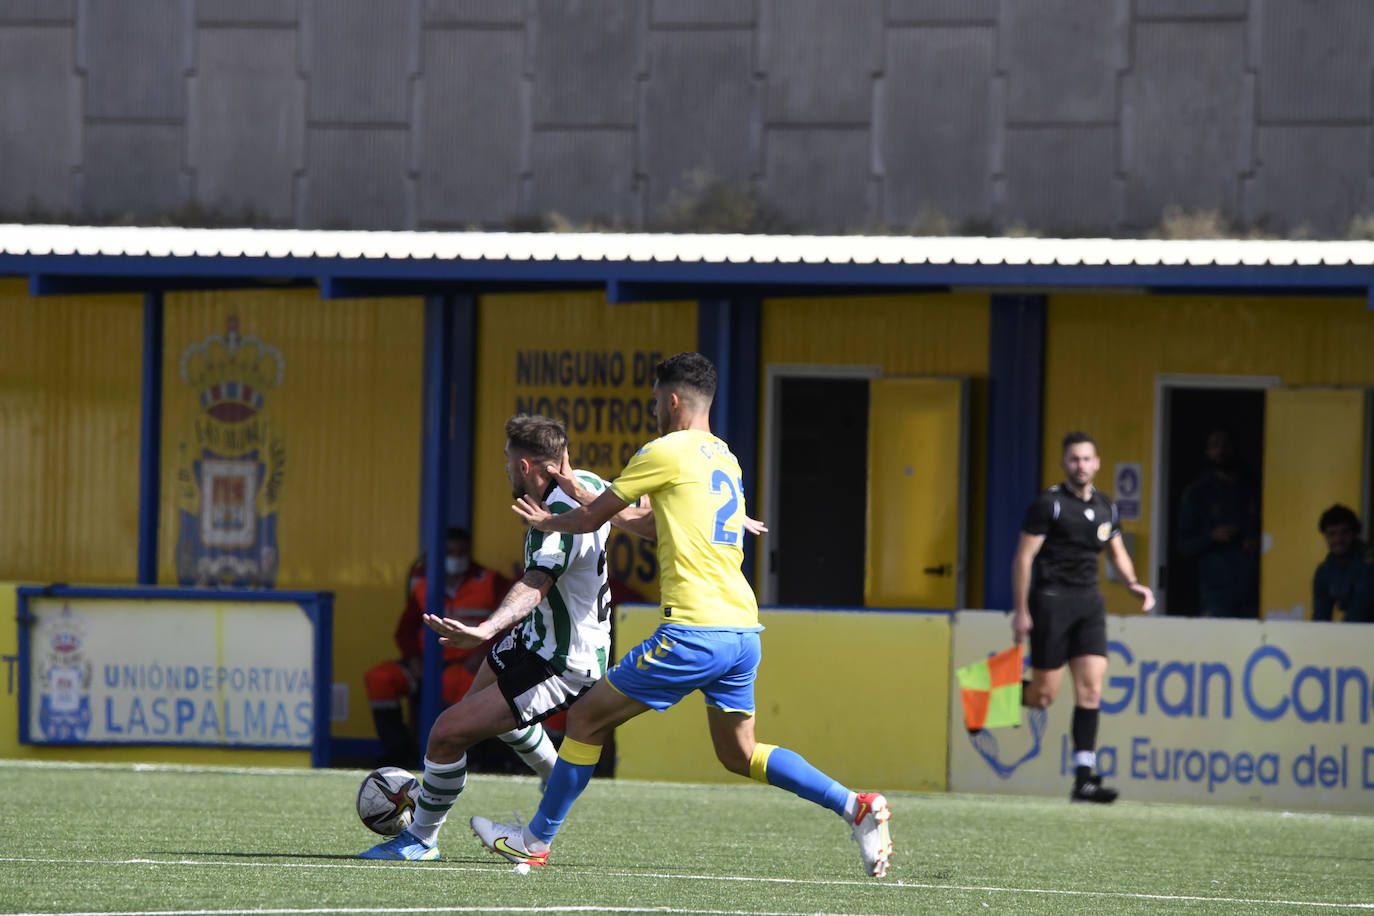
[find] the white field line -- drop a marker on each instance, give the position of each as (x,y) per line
(892,885)
(445,909)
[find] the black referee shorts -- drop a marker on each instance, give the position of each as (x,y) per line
(1066,623)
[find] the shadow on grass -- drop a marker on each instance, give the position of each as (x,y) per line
(322,856)
(221,854)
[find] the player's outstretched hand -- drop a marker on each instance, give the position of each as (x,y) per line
(562,473)
(454,632)
(754,526)
(532,511)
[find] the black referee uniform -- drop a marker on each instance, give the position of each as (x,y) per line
(1068,614)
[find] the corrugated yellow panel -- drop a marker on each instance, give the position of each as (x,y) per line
(1105,351)
(905,655)
(915,490)
(1313,457)
(574,357)
(364,620)
(320,456)
(70,383)
(938,334)
(334,420)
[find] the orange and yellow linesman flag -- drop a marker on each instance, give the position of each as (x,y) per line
(991,690)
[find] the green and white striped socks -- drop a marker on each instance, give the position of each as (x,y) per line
(532,745)
(440,787)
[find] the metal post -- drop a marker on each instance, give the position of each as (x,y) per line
(150,439)
(1016,375)
(434,500)
(728,334)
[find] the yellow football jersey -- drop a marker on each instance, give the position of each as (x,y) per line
(693,482)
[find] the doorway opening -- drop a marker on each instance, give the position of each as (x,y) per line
(1192,409)
(817,471)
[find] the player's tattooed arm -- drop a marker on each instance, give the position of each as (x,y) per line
(523,597)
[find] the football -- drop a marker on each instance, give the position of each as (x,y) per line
(386,800)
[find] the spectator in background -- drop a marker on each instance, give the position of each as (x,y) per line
(471,593)
(1218,525)
(1345,579)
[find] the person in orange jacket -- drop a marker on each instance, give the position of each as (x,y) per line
(471,593)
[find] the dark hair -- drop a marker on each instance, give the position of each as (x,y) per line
(537,436)
(455,533)
(1339,515)
(1077,437)
(688,370)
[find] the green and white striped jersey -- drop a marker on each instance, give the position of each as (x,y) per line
(571,627)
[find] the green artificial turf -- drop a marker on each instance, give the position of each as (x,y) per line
(144,840)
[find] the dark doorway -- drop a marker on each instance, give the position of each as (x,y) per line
(1192,414)
(822,491)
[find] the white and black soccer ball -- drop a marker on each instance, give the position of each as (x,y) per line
(386,800)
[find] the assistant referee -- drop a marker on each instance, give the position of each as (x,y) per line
(1064,614)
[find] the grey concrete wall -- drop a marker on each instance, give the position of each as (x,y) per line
(1048,116)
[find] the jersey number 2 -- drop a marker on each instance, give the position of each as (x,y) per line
(603,596)
(722,533)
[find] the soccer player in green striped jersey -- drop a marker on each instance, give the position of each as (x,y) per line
(558,622)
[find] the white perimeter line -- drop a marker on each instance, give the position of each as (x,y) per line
(1113,895)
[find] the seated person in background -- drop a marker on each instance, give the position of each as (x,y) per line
(1345,579)
(471,593)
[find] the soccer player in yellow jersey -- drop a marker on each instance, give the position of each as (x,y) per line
(708,639)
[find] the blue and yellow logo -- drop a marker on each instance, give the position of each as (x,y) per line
(232,463)
(64,680)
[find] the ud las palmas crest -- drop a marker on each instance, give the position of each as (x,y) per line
(64,679)
(232,458)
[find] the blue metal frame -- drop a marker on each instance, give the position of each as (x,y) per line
(434,498)
(318,607)
(150,440)
(461,373)
(446,473)
(1016,378)
(728,334)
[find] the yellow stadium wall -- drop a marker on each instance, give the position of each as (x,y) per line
(1103,353)
(70,383)
(345,435)
(806,701)
(527,359)
(944,334)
